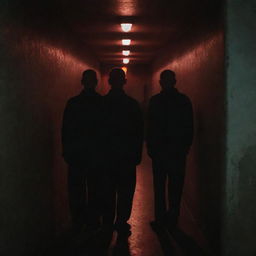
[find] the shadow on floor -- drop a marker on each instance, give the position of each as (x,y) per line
(172,243)
(165,242)
(122,247)
(176,242)
(187,243)
(80,245)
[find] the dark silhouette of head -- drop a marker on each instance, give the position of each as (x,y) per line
(167,79)
(117,78)
(89,79)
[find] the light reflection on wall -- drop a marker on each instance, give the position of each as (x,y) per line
(40,76)
(126,7)
(195,58)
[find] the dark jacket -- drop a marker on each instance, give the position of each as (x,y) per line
(82,136)
(124,128)
(170,124)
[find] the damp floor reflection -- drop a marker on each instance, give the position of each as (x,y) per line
(143,241)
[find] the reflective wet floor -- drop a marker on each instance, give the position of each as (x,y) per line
(143,240)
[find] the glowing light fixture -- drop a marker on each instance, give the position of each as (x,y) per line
(126,53)
(126,27)
(126,61)
(124,69)
(126,41)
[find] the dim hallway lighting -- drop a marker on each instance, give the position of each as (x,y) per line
(126,41)
(126,53)
(126,61)
(126,27)
(124,69)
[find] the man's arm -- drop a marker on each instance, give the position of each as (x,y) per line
(139,127)
(68,132)
(155,127)
(188,124)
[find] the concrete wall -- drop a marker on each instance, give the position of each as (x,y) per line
(240,206)
(37,76)
(199,66)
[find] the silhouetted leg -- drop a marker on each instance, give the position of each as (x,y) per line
(77,196)
(110,197)
(176,177)
(159,180)
(106,207)
(95,197)
(125,192)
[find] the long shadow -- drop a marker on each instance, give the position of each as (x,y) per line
(187,243)
(99,244)
(80,245)
(122,247)
(165,241)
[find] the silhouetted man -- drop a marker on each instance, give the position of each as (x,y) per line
(124,129)
(82,145)
(169,137)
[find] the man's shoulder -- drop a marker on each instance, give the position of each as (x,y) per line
(156,98)
(177,97)
(81,97)
(73,100)
(184,98)
(124,98)
(131,100)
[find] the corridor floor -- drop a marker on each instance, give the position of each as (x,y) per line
(143,241)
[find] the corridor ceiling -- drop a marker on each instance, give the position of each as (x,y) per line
(156,23)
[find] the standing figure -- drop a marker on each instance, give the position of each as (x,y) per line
(82,151)
(169,137)
(124,132)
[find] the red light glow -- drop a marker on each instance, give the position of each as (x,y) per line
(126,53)
(126,41)
(126,61)
(126,27)
(124,69)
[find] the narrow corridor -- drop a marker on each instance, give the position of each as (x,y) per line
(210,45)
(45,47)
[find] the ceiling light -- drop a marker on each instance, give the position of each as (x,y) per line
(126,61)
(126,27)
(126,53)
(126,41)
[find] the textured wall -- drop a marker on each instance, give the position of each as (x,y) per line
(240,206)
(36,78)
(199,66)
